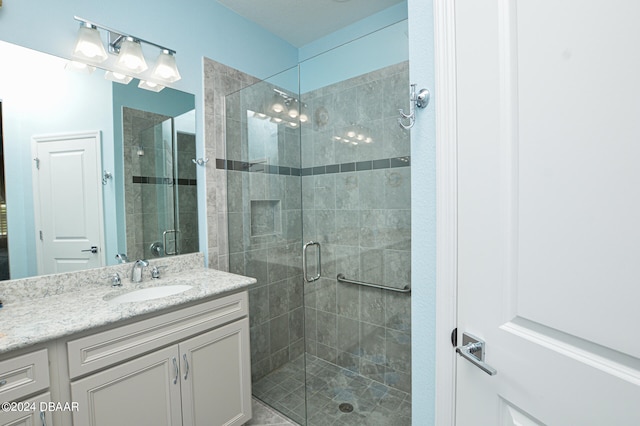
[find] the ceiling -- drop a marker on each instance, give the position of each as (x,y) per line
(300,22)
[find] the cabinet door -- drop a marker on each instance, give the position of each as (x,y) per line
(144,391)
(216,377)
(31,414)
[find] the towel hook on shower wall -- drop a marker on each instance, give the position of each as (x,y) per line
(200,161)
(420,100)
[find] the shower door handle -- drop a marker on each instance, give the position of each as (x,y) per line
(316,277)
(175,233)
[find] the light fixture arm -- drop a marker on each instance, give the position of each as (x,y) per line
(117,36)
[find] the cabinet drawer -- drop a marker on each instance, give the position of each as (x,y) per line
(24,375)
(28,412)
(113,346)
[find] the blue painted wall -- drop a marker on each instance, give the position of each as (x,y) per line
(375,22)
(423,216)
(40,98)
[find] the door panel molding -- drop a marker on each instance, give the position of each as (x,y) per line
(605,359)
(96,185)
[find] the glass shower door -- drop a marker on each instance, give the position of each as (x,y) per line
(316,159)
(264,204)
(160,236)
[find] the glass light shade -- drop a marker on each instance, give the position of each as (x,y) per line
(165,68)
(117,77)
(150,85)
(294,108)
(89,46)
(80,67)
(304,117)
(277,104)
(130,57)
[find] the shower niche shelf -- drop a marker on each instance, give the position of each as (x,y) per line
(266,217)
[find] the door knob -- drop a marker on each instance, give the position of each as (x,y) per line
(93,249)
(472,350)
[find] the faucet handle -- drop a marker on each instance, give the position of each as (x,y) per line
(155,271)
(116,281)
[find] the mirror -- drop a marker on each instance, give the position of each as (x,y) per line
(145,195)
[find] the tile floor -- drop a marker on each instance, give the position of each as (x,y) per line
(374,404)
(263,415)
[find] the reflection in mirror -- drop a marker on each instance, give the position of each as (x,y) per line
(4,253)
(41,99)
(160,184)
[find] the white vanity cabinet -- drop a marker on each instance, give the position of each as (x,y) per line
(188,367)
(20,377)
(32,415)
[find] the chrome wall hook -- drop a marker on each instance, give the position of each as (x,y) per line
(200,161)
(106,176)
(420,100)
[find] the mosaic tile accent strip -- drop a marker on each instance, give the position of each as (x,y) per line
(163,180)
(245,166)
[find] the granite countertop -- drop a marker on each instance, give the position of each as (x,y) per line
(27,322)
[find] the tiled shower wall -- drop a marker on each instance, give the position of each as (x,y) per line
(219,81)
(149,200)
(265,226)
(356,203)
(273,258)
(140,198)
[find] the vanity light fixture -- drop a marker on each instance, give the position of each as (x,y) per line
(282,108)
(278,102)
(130,57)
(294,108)
(165,68)
(304,115)
(150,85)
(79,67)
(117,77)
(127,57)
(88,47)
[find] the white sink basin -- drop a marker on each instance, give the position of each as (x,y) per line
(150,293)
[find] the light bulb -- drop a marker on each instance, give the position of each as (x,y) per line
(117,77)
(131,57)
(165,68)
(88,45)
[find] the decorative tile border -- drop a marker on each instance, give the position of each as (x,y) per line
(163,180)
(244,166)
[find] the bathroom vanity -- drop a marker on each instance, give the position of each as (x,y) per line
(89,356)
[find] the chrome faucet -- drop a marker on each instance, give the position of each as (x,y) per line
(122,257)
(136,272)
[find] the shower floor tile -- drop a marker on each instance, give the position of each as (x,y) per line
(328,386)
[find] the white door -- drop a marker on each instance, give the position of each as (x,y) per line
(68,202)
(549,210)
